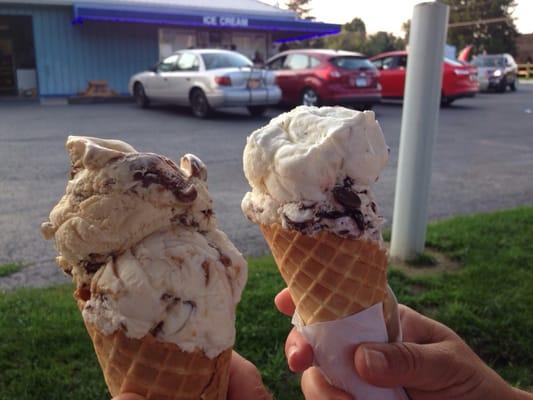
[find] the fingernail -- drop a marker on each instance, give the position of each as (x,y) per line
(375,361)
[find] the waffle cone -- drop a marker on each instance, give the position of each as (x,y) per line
(158,370)
(329,277)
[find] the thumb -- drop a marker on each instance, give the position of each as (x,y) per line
(428,366)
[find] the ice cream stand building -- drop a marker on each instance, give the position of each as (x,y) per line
(53,48)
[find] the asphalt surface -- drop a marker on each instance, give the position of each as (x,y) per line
(483,161)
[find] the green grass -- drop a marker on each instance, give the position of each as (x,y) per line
(9,269)
(45,352)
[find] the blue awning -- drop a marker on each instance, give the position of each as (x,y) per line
(293,28)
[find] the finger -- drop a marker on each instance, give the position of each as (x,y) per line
(299,353)
(245,381)
(315,387)
(128,396)
(284,302)
(419,329)
(423,367)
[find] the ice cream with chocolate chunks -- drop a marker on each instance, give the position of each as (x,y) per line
(312,169)
(138,234)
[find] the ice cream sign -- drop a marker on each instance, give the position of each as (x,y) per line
(212,20)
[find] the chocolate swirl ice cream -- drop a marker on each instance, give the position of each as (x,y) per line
(139,236)
(311,169)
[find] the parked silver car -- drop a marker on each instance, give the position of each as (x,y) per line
(496,71)
(205,80)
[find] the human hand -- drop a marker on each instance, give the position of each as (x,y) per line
(244,382)
(432,363)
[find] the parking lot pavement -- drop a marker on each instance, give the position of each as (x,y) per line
(483,161)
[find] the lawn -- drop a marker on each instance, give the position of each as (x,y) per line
(45,352)
(10,268)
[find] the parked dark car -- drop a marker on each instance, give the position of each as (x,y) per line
(320,77)
(497,72)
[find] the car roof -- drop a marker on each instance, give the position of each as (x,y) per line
(323,52)
(208,51)
(390,53)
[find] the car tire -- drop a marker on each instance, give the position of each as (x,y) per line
(257,111)
(502,86)
(514,85)
(199,104)
(140,96)
(309,97)
(446,101)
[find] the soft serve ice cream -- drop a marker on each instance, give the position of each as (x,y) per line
(138,234)
(312,169)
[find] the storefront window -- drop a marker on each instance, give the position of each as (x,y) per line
(252,45)
(172,40)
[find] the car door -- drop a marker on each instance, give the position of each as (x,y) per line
(178,80)
(296,70)
(392,75)
(155,86)
(276,66)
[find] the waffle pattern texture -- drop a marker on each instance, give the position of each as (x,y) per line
(329,277)
(158,370)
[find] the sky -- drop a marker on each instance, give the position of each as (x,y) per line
(388,15)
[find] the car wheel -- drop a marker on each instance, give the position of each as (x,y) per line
(310,98)
(446,101)
(257,111)
(502,86)
(514,85)
(199,104)
(140,95)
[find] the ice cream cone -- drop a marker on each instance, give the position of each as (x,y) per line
(329,277)
(158,370)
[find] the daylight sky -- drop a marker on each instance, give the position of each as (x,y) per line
(388,15)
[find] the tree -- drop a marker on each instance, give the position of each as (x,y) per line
(352,36)
(381,42)
(406,28)
(301,7)
(493,37)
(356,25)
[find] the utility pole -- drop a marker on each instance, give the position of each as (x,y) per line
(419,127)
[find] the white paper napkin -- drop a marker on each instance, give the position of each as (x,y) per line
(334,343)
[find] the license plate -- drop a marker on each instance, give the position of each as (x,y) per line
(253,83)
(361,82)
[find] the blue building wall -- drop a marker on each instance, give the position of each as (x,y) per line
(69,55)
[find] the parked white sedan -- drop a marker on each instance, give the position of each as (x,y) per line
(205,80)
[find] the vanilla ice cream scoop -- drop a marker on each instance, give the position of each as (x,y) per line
(116,196)
(138,234)
(174,285)
(312,168)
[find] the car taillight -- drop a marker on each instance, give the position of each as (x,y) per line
(223,80)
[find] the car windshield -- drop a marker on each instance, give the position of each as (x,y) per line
(488,62)
(225,60)
(351,62)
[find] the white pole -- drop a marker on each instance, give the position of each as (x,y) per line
(419,127)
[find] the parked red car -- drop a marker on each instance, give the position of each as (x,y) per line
(318,77)
(459,79)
